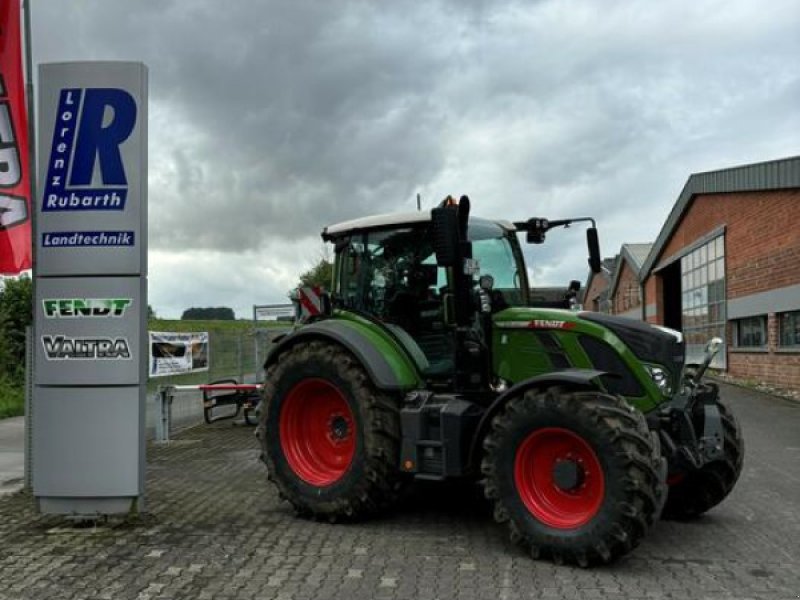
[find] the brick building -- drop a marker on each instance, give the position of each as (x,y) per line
(596,290)
(625,290)
(727,263)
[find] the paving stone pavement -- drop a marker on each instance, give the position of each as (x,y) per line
(217,530)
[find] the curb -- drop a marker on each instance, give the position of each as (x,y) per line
(776,393)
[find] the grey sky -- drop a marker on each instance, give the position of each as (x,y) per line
(271,119)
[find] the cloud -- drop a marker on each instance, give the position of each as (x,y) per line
(270,120)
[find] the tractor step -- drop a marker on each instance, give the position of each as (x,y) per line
(437,430)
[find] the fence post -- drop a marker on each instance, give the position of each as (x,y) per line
(240,360)
(255,340)
(256,333)
(163,412)
(28,408)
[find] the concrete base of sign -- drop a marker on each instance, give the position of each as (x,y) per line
(88,508)
(80,433)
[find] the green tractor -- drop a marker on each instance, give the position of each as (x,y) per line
(427,362)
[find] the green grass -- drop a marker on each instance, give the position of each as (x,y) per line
(240,326)
(12,400)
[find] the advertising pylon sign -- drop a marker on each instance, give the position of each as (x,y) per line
(91,289)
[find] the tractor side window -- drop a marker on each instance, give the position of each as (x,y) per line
(393,276)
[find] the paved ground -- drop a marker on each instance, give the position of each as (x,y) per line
(218,531)
(12,459)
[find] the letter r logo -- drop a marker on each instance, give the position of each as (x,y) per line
(99,138)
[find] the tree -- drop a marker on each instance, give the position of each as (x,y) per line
(151,314)
(219,313)
(16,313)
(320,274)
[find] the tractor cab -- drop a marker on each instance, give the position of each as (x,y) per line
(434,279)
(386,268)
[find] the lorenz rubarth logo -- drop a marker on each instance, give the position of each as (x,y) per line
(62,347)
(91,125)
(77,308)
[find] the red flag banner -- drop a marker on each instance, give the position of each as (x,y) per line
(15,183)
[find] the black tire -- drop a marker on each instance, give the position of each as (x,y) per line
(628,456)
(700,490)
(372,481)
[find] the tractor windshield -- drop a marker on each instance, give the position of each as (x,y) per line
(498,254)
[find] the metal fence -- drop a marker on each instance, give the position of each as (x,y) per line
(232,355)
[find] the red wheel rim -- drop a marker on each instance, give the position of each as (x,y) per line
(317,432)
(545,494)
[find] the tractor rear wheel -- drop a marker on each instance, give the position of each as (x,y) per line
(575,474)
(329,438)
(693,493)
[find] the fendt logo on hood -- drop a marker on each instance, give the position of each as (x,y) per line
(536,324)
(91,125)
(77,308)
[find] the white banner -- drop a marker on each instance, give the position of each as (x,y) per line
(273,312)
(178,353)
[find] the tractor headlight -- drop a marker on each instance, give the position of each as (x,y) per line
(660,378)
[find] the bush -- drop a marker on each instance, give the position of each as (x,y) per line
(218,313)
(12,399)
(16,313)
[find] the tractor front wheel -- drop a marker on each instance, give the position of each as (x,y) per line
(577,475)
(330,439)
(693,493)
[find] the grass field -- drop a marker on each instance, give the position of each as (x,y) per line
(241,326)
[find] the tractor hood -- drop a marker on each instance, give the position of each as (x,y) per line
(649,343)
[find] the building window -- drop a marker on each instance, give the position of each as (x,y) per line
(789,327)
(750,332)
(703,297)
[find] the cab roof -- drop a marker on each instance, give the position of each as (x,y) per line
(393,220)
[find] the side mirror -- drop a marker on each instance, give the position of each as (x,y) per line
(574,286)
(595,262)
(445,235)
(536,229)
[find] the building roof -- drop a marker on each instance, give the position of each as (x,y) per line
(635,254)
(390,220)
(771,175)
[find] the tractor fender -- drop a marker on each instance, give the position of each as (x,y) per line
(575,378)
(386,364)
